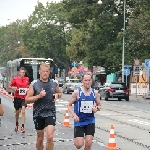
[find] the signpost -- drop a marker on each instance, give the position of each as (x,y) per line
(147,65)
(80,72)
(126,73)
(136,70)
(74,68)
(74,64)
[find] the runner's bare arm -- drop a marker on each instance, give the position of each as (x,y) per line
(97,98)
(13,85)
(71,101)
(30,98)
(58,92)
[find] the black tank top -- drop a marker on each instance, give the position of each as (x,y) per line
(44,107)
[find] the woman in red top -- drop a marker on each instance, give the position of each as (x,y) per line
(19,85)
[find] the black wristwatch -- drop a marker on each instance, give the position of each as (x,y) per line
(0,100)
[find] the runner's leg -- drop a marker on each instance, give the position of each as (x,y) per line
(78,137)
(89,134)
(49,135)
(23,115)
(16,106)
(40,138)
(88,142)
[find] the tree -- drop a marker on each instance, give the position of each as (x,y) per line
(137,33)
(12,45)
(44,33)
(77,48)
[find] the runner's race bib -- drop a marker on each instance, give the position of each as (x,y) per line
(22,91)
(86,106)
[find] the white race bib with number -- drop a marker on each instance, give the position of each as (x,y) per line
(86,106)
(22,91)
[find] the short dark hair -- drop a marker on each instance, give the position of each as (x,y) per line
(86,74)
(22,68)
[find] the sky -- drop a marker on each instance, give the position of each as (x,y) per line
(11,10)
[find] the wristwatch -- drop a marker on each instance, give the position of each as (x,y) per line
(0,100)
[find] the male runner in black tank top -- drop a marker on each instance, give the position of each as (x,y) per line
(43,93)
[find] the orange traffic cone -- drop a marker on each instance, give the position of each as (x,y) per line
(30,106)
(66,120)
(112,144)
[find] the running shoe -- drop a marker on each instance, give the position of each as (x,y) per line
(22,130)
(16,128)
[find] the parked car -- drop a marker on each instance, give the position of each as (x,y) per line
(60,81)
(97,86)
(115,90)
(70,85)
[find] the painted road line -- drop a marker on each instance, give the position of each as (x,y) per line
(140,122)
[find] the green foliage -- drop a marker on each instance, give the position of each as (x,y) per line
(44,33)
(138,31)
(75,30)
(12,45)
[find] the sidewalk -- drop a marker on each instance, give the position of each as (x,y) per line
(139,98)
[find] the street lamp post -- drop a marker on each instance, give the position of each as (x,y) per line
(123,44)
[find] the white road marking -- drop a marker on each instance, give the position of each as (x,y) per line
(59,105)
(140,122)
(104,114)
(62,108)
(63,102)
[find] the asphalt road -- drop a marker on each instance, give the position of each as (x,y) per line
(63,137)
(131,122)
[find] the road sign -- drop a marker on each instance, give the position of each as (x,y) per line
(136,73)
(127,66)
(74,64)
(74,69)
(126,72)
(80,72)
(136,62)
(136,68)
(147,63)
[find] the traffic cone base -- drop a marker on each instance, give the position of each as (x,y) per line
(112,148)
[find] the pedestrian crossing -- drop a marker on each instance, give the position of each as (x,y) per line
(61,105)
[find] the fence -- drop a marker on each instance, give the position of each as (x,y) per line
(139,88)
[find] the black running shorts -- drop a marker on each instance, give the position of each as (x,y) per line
(18,103)
(42,122)
(85,130)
